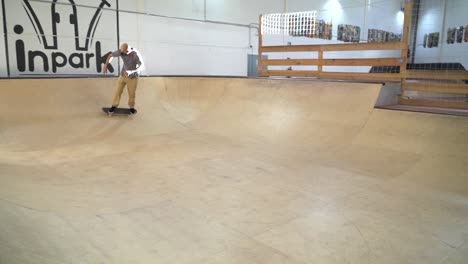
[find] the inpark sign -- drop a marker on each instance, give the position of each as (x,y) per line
(60,37)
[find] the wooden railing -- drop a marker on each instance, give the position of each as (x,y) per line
(448,82)
(319,51)
(320,62)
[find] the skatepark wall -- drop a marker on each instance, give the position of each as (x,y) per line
(175,37)
(175,42)
(188,48)
(385,15)
(184,37)
(439,16)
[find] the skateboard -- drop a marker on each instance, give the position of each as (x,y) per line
(430,40)
(435,41)
(459,34)
(466,33)
(118,111)
(451,36)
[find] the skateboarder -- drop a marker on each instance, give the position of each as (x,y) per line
(132,67)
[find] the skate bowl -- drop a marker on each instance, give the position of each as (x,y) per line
(226,168)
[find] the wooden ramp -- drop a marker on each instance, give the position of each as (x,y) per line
(223,170)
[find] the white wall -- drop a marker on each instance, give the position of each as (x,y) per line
(431,20)
(178,47)
(457,15)
(386,15)
(193,9)
(241,11)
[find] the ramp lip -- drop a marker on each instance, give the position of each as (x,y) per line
(425,110)
(100,76)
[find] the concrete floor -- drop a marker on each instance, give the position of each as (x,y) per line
(227,171)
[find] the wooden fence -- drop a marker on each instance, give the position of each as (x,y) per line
(411,80)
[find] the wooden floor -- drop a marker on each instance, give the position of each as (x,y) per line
(227,171)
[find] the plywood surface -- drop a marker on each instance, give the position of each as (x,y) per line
(216,170)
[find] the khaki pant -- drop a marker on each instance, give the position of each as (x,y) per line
(131,88)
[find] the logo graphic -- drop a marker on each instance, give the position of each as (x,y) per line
(81,59)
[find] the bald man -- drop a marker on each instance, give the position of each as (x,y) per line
(132,67)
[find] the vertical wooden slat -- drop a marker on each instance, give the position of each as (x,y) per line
(407,20)
(404,51)
(320,62)
(260,45)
